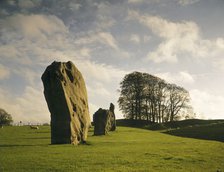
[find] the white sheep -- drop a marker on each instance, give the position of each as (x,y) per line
(34,127)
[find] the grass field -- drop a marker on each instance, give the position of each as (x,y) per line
(127,149)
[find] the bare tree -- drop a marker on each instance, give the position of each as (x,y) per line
(178,99)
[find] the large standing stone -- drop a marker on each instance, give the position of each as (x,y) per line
(66,96)
(104,121)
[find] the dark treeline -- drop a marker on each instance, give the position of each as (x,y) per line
(5,118)
(147,97)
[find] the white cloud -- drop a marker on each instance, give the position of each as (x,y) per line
(14,52)
(4,72)
(180,78)
(146,38)
(135,38)
(104,22)
(4,12)
(99,39)
(187,2)
(26,4)
(97,89)
(33,103)
(188,78)
(108,39)
(207,104)
(28,74)
(74,6)
(9,52)
(11,2)
(99,72)
(220,43)
(104,38)
(219,63)
(85,52)
(135,1)
(32,27)
(29,107)
(164,53)
(168,29)
(178,39)
(34,39)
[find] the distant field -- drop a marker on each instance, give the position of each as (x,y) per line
(127,149)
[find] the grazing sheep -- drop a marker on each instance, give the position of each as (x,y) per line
(34,127)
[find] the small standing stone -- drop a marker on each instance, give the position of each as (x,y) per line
(104,121)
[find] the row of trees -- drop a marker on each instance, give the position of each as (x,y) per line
(147,97)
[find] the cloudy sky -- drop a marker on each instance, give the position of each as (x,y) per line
(181,41)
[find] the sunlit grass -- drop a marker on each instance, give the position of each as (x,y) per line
(127,149)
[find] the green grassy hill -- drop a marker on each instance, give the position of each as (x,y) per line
(127,149)
(210,131)
(192,128)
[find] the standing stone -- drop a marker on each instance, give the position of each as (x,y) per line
(104,121)
(66,96)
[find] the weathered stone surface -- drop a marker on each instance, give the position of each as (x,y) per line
(66,96)
(104,121)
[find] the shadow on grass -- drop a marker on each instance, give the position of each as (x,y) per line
(87,143)
(43,145)
(205,132)
(11,146)
(32,138)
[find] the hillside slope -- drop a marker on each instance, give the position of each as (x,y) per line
(192,128)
